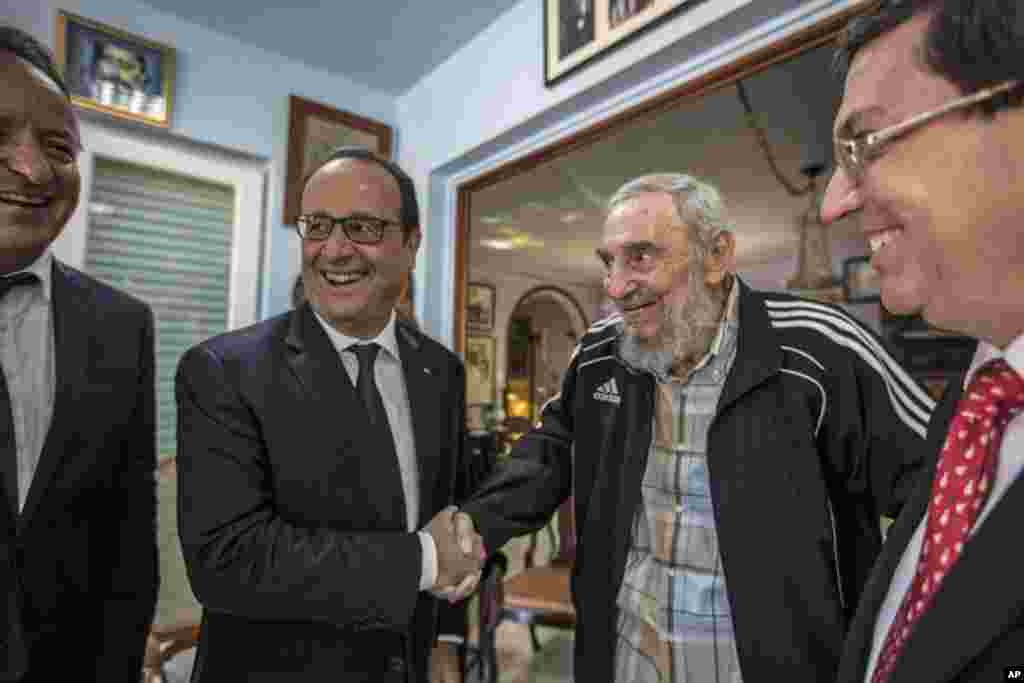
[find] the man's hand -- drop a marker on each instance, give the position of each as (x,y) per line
(468,538)
(460,554)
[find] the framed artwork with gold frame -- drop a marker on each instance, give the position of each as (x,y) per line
(113,71)
(314,131)
(480,370)
(480,299)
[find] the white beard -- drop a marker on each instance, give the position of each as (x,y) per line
(684,336)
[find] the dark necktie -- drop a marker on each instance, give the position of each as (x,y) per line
(963,480)
(8,446)
(379,427)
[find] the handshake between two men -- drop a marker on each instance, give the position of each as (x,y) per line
(460,554)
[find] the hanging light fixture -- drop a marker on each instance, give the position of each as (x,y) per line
(814,259)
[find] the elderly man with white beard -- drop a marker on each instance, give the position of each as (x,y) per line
(729,452)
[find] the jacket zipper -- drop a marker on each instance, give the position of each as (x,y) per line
(835,553)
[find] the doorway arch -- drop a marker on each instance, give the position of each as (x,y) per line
(541,332)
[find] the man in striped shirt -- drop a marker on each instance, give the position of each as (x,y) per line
(729,453)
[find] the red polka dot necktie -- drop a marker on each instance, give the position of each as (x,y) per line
(963,479)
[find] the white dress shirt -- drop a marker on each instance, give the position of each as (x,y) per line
(387,371)
(27,354)
(1011,462)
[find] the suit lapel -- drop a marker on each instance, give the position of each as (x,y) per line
(978,599)
(73,322)
(319,369)
(862,629)
(332,396)
(421,385)
(964,611)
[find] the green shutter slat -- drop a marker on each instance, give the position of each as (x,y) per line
(135,194)
(166,239)
(192,226)
(140,264)
(120,231)
(164,279)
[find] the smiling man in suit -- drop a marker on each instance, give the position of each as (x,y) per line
(313,445)
(78,567)
(930,154)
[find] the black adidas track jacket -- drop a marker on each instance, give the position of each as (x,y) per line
(818,432)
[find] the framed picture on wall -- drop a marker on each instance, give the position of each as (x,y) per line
(480,306)
(860,280)
(932,355)
(314,131)
(577,31)
(480,370)
(115,72)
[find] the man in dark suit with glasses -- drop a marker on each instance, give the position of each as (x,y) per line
(314,447)
(929,154)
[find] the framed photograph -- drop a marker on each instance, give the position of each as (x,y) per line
(932,355)
(576,31)
(860,280)
(314,131)
(480,306)
(112,71)
(480,370)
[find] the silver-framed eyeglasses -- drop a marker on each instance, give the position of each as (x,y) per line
(854,152)
(358,228)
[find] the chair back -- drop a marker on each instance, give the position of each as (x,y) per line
(482,661)
(491,591)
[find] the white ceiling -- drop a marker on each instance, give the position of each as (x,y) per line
(387,45)
(560,205)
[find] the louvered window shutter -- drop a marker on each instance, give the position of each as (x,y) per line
(165,238)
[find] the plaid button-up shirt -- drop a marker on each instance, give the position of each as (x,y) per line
(675,624)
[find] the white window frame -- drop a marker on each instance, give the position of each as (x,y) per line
(247,176)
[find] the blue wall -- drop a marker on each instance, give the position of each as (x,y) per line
(229,94)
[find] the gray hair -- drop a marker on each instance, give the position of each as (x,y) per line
(698,204)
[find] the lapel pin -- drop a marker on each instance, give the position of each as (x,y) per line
(427,370)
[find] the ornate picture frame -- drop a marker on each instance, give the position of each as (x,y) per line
(314,131)
(480,370)
(115,72)
(480,300)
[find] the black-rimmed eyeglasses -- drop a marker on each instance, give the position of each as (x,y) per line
(359,229)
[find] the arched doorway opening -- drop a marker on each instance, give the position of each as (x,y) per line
(543,329)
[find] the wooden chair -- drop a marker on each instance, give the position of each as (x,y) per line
(175,626)
(515,427)
(540,594)
(481,661)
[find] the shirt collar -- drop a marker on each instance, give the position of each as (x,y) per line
(724,327)
(42,268)
(387,338)
(1013,354)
